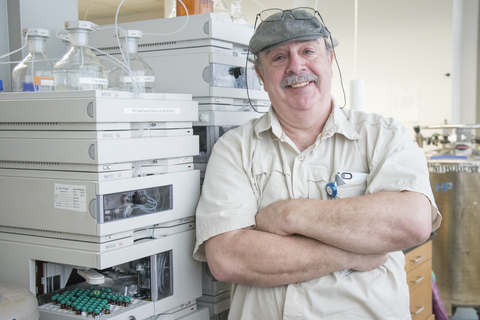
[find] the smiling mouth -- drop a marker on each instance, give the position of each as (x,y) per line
(300,84)
(295,81)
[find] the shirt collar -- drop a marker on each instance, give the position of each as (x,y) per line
(337,122)
(267,121)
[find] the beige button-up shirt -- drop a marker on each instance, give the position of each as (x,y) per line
(257,164)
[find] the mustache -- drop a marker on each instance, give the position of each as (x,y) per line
(304,77)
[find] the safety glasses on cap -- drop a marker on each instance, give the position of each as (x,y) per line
(301,13)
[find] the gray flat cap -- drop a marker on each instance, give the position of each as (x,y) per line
(270,34)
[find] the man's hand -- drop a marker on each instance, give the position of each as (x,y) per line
(272,218)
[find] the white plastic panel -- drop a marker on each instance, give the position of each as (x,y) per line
(95,151)
(47,209)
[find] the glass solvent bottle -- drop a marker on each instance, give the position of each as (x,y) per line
(35,71)
(236,12)
(220,8)
(139,77)
(79,68)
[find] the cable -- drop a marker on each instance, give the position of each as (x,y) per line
(183,27)
(162,266)
(246,85)
(24,45)
(127,58)
(261,5)
(340,74)
(336,60)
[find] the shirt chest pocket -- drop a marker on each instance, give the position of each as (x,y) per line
(319,178)
(352,189)
(271,181)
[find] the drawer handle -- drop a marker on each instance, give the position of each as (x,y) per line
(418,259)
(418,280)
(418,311)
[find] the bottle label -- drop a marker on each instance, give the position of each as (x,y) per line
(140,79)
(93,81)
(43,81)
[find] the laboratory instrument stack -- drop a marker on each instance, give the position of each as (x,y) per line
(98,196)
(204,55)
(454,167)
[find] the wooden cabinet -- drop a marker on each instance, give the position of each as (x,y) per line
(418,265)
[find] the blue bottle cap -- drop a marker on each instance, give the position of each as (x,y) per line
(331,189)
(27,87)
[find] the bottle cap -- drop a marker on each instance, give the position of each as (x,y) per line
(331,189)
(85,25)
(137,34)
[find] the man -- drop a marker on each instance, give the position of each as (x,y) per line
(265,221)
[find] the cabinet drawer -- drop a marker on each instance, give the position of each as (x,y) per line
(417,256)
(419,275)
(421,301)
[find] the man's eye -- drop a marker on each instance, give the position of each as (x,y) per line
(278,58)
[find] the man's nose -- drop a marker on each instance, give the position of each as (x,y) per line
(296,63)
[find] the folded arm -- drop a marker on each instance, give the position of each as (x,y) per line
(375,223)
(255,258)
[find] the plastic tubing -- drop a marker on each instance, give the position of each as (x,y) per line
(10,53)
(183,27)
(261,5)
(126,57)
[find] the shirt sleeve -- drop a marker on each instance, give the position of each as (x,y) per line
(228,201)
(398,165)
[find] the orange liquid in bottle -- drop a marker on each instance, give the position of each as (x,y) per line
(194,7)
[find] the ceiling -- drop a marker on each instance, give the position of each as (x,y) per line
(103,12)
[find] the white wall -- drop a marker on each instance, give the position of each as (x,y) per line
(465,64)
(404,51)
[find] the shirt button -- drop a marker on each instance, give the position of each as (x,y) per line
(296,284)
(301,158)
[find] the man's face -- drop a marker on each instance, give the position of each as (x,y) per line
(297,75)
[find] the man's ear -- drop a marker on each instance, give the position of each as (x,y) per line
(332,56)
(259,73)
